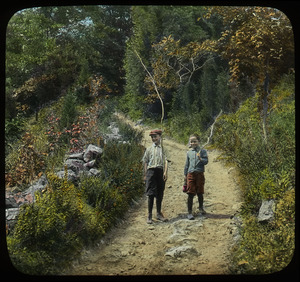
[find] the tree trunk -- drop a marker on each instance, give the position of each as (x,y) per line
(265,106)
(155,87)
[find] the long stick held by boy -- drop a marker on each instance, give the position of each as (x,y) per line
(155,174)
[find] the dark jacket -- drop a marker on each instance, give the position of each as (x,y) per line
(192,161)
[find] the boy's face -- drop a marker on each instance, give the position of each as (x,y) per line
(155,139)
(194,142)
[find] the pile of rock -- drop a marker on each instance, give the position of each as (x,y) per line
(77,165)
(82,163)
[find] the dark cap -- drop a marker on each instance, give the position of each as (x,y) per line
(155,131)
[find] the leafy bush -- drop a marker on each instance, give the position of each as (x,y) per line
(267,248)
(121,164)
(106,199)
(53,229)
(120,182)
(181,126)
(13,130)
(268,172)
(28,164)
(69,112)
(129,134)
(264,165)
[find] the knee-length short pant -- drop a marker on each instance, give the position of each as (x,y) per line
(155,184)
(195,183)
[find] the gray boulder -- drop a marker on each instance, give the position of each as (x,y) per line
(91,153)
(266,211)
(71,175)
(94,172)
(11,214)
(78,156)
(90,164)
(10,202)
(181,251)
(75,165)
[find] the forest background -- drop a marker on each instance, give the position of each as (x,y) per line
(69,68)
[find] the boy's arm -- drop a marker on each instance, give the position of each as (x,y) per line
(145,160)
(186,166)
(145,170)
(204,157)
(166,170)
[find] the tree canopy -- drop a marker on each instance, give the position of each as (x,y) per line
(221,54)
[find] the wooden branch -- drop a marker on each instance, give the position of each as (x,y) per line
(212,129)
(155,87)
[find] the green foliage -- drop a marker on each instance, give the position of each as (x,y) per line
(28,164)
(129,134)
(53,228)
(150,25)
(267,172)
(265,164)
(68,114)
(120,182)
(181,126)
(64,218)
(47,52)
(121,164)
(106,199)
(267,248)
(13,130)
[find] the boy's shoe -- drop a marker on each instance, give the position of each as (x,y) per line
(190,216)
(202,211)
(161,217)
(149,219)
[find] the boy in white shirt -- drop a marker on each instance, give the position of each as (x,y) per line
(155,174)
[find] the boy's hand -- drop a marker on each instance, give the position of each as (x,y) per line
(185,180)
(165,176)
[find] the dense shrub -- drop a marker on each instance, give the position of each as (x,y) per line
(267,168)
(129,134)
(28,163)
(53,229)
(121,165)
(270,167)
(107,200)
(267,248)
(181,126)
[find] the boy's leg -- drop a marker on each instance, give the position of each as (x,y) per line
(150,207)
(200,200)
(191,185)
(160,194)
(151,183)
(200,191)
(190,206)
(150,192)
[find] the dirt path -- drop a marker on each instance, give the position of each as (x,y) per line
(179,246)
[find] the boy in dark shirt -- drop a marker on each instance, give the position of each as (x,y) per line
(194,174)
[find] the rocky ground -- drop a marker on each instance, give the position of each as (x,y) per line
(178,246)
